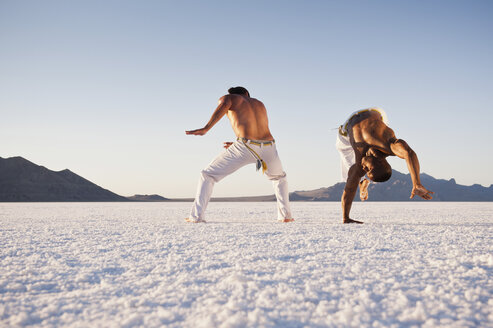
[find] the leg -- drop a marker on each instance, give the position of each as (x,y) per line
(204,192)
(282,195)
(235,157)
(363,189)
(346,152)
(276,174)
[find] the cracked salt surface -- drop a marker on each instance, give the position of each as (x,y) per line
(139,264)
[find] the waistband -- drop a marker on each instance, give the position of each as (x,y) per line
(257,142)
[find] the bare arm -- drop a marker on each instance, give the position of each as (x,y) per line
(354,175)
(221,110)
(402,150)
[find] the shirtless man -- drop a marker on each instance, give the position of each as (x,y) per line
(364,141)
(254,144)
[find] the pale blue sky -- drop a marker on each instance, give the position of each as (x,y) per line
(107,88)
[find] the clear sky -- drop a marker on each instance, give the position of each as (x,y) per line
(108,88)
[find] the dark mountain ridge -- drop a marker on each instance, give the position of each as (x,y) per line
(147,198)
(399,187)
(24,181)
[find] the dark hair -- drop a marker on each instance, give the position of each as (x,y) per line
(381,171)
(239,91)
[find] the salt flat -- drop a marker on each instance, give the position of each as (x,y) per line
(139,264)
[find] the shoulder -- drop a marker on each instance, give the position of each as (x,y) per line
(231,98)
(227,99)
(256,104)
(255,100)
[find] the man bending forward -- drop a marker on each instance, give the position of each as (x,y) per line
(254,144)
(364,141)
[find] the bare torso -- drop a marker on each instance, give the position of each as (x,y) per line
(367,130)
(248,117)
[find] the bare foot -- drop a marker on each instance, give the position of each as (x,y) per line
(351,221)
(363,189)
(285,220)
(194,220)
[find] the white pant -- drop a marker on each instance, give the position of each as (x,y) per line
(235,157)
(346,151)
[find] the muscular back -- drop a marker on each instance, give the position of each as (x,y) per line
(248,117)
(367,130)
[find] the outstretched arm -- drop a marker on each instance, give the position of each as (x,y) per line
(354,176)
(221,110)
(401,149)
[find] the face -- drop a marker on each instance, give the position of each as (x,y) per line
(368,163)
(374,165)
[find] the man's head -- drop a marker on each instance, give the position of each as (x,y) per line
(239,91)
(376,168)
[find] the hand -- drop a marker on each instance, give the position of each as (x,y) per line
(421,192)
(227,144)
(197,132)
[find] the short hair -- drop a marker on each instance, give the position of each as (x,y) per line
(238,91)
(381,171)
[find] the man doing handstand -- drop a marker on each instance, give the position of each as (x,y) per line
(254,144)
(364,141)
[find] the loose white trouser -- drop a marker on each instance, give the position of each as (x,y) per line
(234,158)
(346,151)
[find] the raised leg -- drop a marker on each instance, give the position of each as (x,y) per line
(363,189)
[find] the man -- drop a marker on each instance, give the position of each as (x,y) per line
(254,144)
(364,141)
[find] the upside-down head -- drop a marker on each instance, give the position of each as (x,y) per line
(376,168)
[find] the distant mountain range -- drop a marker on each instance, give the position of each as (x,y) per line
(148,198)
(24,181)
(399,187)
